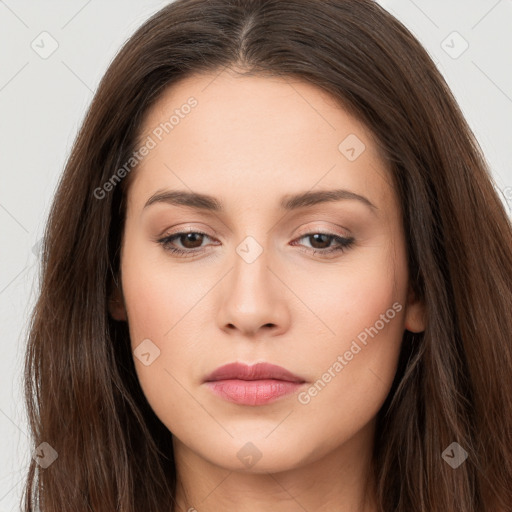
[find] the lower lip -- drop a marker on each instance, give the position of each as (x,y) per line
(253,392)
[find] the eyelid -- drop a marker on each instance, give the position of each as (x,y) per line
(187,229)
(344,233)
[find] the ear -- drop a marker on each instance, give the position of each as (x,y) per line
(116,305)
(415,314)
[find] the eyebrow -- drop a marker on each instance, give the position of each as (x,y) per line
(288,202)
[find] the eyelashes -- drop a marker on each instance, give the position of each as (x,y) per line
(196,237)
(167,243)
(343,243)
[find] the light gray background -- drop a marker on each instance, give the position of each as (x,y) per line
(43,101)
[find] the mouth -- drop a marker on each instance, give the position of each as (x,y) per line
(258,384)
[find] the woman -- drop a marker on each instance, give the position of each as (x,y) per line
(276,276)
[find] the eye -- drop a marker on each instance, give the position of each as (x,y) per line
(190,240)
(321,242)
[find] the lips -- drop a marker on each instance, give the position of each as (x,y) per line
(258,384)
(259,371)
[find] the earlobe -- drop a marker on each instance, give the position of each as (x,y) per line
(415,314)
(116,306)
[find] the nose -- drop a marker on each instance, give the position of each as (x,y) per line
(253,299)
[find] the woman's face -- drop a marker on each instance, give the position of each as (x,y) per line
(297,258)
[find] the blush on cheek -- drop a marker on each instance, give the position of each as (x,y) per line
(152,300)
(372,333)
(363,306)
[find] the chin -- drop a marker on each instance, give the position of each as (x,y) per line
(257,454)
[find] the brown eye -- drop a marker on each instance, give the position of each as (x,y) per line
(189,243)
(321,243)
(191,240)
(321,240)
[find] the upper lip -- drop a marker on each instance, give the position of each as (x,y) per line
(256,371)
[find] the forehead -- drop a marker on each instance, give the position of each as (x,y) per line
(255,134)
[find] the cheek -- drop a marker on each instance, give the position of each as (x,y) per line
(159,304)
(355,366)
(351,296)
(156,299)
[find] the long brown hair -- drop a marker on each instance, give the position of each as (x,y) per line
(454,380)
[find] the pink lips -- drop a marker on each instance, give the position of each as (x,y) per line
(258,384)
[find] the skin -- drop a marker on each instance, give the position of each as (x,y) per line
(249,142)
